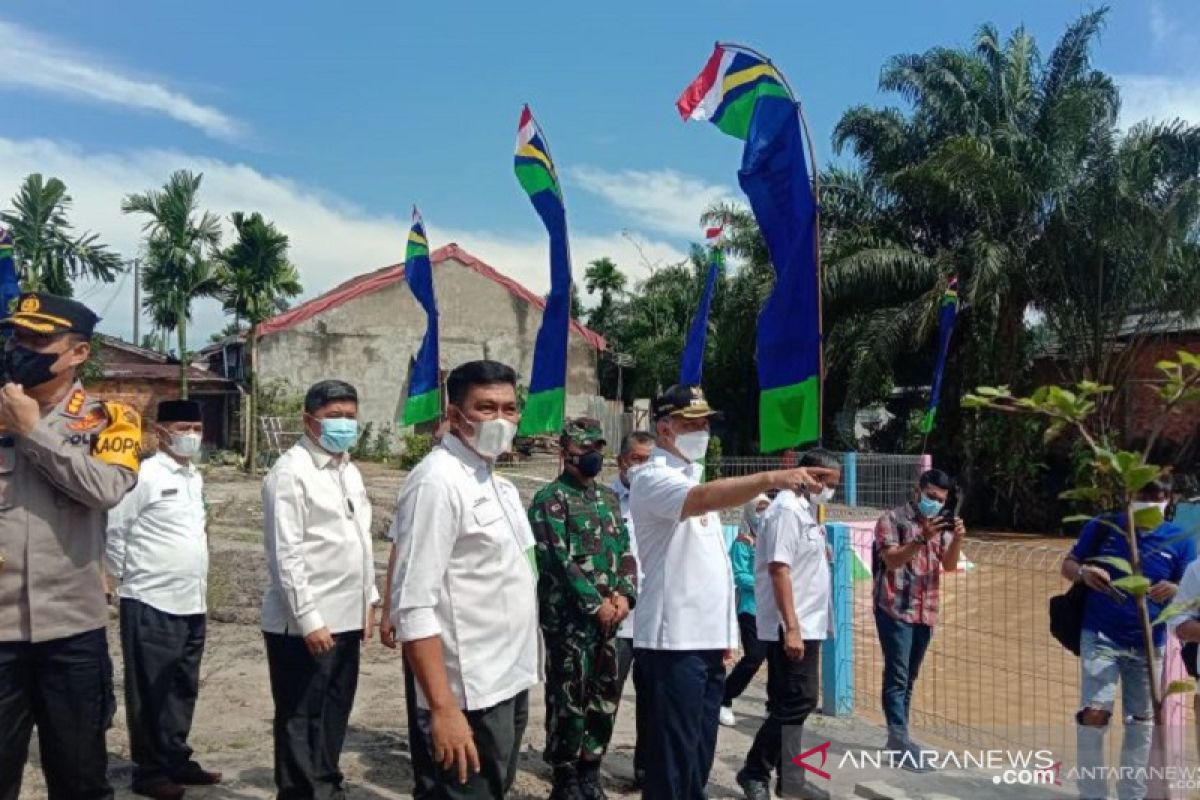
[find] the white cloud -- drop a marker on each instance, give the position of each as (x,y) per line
(663,200)
(331,239)
(40,63)
(1159,97)
(1162,27)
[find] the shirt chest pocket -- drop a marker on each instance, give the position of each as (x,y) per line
(487,523)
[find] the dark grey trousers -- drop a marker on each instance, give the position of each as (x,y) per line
(162,680)
(313,697)
(498,732)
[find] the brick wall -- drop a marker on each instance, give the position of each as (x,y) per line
(1143,408)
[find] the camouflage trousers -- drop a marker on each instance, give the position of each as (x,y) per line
(582,693)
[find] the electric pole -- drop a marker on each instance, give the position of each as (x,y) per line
(137,302)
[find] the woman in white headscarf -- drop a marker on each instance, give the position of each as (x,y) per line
(741,556)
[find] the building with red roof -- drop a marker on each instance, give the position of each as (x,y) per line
(366,330)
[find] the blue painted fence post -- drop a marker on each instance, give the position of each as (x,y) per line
(850,478)
(837,658)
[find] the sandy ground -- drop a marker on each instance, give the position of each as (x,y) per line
(232,729)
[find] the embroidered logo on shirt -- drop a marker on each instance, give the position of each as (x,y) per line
(170,492)
(89,422)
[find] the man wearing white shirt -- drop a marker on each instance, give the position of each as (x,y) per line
(686,621)
(157,550)
(792,595)
(635,451)
(317,608)
(464,593)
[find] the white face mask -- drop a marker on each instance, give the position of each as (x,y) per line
(692,446)
(825,496)
(186,445)
(493,437)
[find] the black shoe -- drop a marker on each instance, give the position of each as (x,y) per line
(589,784)
(566,785)
(161,789)
(195,775)
(912,760)
(754,788)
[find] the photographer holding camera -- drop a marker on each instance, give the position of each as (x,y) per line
(65,460)
(913,544)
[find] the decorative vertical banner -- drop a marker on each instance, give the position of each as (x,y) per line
(424,403)
(947,315)
(745,96)
(691,367)
(10,287)
(546,405)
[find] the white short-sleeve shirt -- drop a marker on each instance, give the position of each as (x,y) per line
(686,600)
(790,535)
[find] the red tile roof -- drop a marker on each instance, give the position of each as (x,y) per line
(380,278)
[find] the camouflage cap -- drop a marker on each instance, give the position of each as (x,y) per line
(582,431)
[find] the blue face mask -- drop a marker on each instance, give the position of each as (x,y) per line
(339,435)
(929,507)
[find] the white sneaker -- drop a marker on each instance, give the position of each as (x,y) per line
(727,717)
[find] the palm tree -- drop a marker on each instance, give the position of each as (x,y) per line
(180,243)
(603,276)
(966,182)
(256,281)
(48,255)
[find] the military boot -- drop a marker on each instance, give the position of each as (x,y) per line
(566,784)
(589,780)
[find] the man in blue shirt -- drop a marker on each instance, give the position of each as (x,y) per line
(1112,649)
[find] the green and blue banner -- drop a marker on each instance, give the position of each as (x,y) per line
(10,287)
(546,405)
(691,366)
(424,403)
(746,97)
(947,315)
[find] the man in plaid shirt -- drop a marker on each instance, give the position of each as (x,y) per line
(913,544)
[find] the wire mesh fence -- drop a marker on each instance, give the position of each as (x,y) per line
(869,480)
(993,677)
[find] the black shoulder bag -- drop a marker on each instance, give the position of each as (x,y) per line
(1066,610)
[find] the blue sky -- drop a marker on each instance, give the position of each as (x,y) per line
(333,121)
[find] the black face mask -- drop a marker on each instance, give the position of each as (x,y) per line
(28,367)
(589,464)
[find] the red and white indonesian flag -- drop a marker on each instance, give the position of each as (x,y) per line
(699,101)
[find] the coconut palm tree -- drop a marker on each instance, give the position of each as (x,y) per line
(180,243)
(256,280)
(48,255)
(603,276)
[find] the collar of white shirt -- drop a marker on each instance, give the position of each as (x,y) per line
(321,457)
(168,461)
(469,458)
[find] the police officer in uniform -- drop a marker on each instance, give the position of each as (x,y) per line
(65,460)
(586,587)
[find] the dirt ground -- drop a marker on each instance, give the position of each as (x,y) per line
(232,728)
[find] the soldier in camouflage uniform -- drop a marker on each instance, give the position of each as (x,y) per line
(587,584)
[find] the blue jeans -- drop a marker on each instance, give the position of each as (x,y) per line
(1104,664)
(904,645)
(682,720)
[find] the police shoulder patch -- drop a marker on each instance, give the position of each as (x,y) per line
(75,403)
(120,443)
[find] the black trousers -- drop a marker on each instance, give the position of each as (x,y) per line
(626,663)
(420,740)
(793,689)
(64,687)
(498,732)
(684,698)
(162,680)
(313,697)
(754,653)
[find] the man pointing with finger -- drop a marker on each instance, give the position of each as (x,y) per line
(686,622)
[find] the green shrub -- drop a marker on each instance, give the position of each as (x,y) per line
(414,447)
(713,459)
